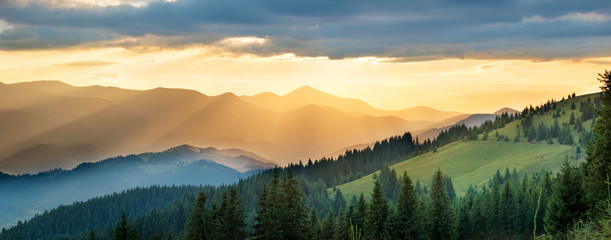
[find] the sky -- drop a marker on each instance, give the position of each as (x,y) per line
(462,55)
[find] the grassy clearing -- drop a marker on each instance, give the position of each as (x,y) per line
(471,163)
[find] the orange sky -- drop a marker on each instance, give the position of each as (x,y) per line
(451,84)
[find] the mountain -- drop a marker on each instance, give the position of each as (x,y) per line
(469,120)
(307,95)
(237,159)
(69,125)
(472,162)
(506,110)
(24,195)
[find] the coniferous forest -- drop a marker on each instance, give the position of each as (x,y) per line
(301,201)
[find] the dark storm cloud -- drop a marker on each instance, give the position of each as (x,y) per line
(416,29)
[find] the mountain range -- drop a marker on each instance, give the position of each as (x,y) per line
(25,195)
(50,124)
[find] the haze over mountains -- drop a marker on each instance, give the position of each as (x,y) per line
(50,124)
(308,95)
(23,196)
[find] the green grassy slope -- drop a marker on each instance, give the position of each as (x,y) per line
(475,161)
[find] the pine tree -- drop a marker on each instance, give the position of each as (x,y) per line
(376,214)
(267,222)
(361,212)
(494,207)
(314,225)
(442,216)
(232,224)
(598,152)
(408,213)
(132,233)
(338,200)
(465,227)
(198,226)
(122,228)
(328,226)
(509,208)
(450,188)
(293,213)
(342,228)
(566,204)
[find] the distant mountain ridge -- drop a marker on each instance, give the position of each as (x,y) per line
(24,195)
(69,125)
(308,95)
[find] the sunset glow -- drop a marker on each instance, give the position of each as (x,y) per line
(466,85)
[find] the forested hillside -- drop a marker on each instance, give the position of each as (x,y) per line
(22,196)
(541,138)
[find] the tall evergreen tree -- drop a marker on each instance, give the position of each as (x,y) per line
(598,153)
(267,221)
(232,225)
(376,214)
(408,213)
(442,215)
(328,226)
(293,213)
(342,227)
(122,228)
(464,224)
(361,212)
(566,204)
(509,208)
(494,206)
(450,188)
(198,227)
(314,225)
(338,200)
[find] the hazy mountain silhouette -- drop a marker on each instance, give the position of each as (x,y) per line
(50,124)
(23,196)
(307,95)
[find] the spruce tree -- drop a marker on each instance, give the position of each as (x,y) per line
(293,213)
(122,228)
(314,225)
(198,226)
(342,227)
(442,215)
(464,225)
(338,200)
(495,206)
(408,213)
(509,208)
(232,225)
(566,204)
(598,153)
(376,214)
(361,212)
(328,226)
(267,221)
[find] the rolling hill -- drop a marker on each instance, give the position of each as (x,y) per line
(472,162)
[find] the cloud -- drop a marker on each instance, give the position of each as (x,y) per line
(394,29)
(86,64)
